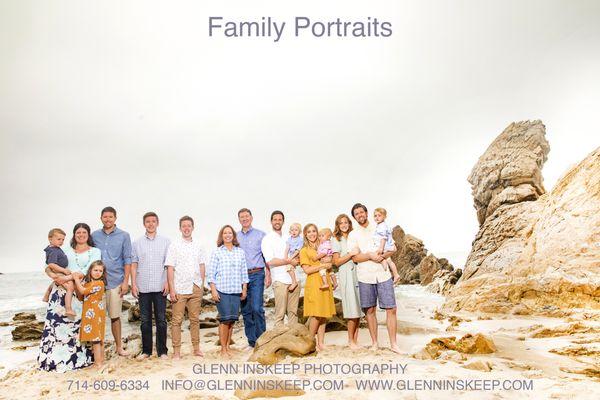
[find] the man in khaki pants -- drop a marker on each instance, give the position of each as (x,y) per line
(273,248)
(185,264)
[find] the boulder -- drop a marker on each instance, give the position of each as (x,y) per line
(475,344)
(273,345)
(468,344)
(23,317)
(428,267)
(534,250)
(126,305)
(28,330)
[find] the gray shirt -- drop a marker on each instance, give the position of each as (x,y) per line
(150,256)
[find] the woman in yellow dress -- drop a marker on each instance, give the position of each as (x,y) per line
(318,303)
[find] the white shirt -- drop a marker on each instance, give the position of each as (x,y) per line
(185,257)
(369,271)
(273,246)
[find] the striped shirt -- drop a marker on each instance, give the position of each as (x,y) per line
(227,269)
(150,254)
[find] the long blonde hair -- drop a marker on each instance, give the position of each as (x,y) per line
(307,243)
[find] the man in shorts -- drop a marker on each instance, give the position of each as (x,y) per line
(115,246)
(374,281)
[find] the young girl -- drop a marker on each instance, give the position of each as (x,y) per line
(324,254)
(93,315)
(292,249)
(384,242)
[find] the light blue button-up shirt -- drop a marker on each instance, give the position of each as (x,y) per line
(227,270)
(116,252)
(150,255)
(250,242)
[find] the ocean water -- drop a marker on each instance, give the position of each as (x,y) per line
(22,292)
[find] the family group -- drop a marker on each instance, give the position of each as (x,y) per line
(96,269)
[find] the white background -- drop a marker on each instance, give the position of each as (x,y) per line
(131,104)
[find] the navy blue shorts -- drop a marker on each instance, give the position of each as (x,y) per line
(370,293)
(229,306)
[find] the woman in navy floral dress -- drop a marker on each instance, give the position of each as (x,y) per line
(60,348)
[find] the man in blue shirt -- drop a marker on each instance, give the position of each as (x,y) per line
(115,246)
(258,274)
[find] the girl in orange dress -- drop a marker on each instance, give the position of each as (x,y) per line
(94,315)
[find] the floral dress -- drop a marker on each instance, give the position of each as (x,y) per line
(60,349)
(94,314)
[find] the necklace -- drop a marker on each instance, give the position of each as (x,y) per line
(89,255)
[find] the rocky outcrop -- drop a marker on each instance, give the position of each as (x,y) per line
(539,251)
(417,266)
(468,344)
(509,171)
(26,327)
(273,345)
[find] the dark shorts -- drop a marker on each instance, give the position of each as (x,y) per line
(229,306)
(383,292)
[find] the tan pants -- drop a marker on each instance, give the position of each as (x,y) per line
(286,302)
(192,302)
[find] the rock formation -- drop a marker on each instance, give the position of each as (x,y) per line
(26,327)
(273,345)
(468,344)
(416,266)
(538,250)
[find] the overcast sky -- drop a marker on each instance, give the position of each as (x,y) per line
(131,104)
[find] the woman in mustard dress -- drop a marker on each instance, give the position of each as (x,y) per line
(318,303)
(93,318)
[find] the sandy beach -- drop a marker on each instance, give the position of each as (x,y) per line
(519,360)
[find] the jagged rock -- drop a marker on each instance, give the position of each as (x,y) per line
(475,344)
(410,252)
(267,393)
(273,345)
(23,317)
(469,344)
(428,268)
(479,365)
(509,171)
(543,253)
(28,330)
(126,305)
(578,351)
(443,281)
(436,347)
(564,330)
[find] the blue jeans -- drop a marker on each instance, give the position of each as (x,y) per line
(252,308)
(147,302)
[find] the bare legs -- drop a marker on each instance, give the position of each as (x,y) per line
(317,327)
(371,318)
(225,331)
(392,328)
(98,351)
(353,333)
(115,327)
